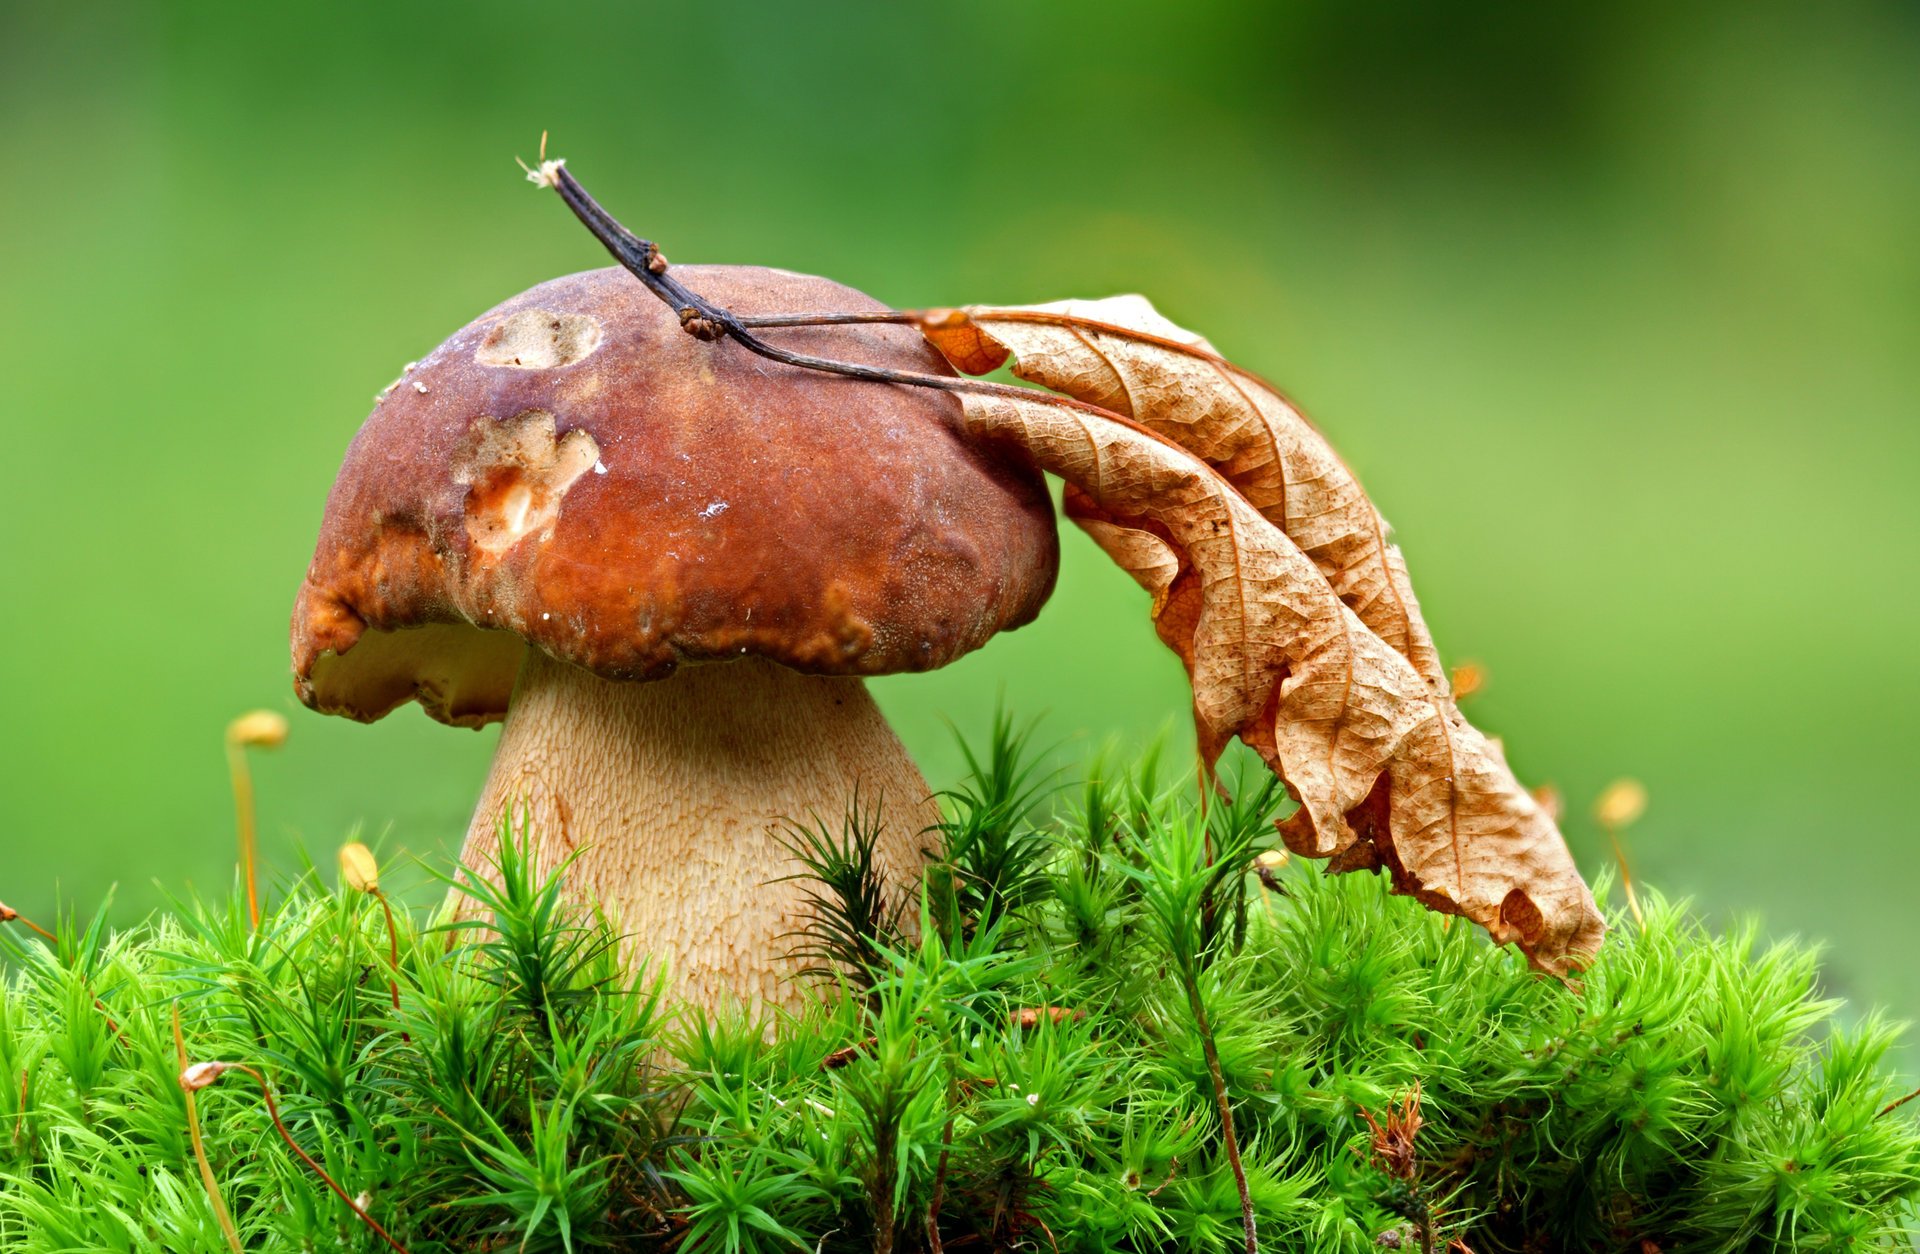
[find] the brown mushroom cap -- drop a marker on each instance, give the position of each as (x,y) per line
(574,471)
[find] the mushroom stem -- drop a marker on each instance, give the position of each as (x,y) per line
(671,794)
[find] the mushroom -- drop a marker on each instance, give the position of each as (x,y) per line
(668,564)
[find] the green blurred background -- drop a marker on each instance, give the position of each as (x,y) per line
(1616,309)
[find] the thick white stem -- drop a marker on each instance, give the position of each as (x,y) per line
(672,792)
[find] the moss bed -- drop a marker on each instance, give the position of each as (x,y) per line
(1019,1064)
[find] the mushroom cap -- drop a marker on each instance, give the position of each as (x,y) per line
(573,471)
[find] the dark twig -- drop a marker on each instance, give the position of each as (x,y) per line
(896,317)
(707,321)
(701,318)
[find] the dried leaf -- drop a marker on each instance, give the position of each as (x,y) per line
(1122,356)
(1386,770)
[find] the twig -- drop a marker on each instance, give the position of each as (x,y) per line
(705,320)
(924,317)
(897,317)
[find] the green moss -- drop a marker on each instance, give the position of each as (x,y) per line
(1696,1092)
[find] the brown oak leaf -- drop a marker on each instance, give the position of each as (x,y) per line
(1122,355)
(1385,769)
